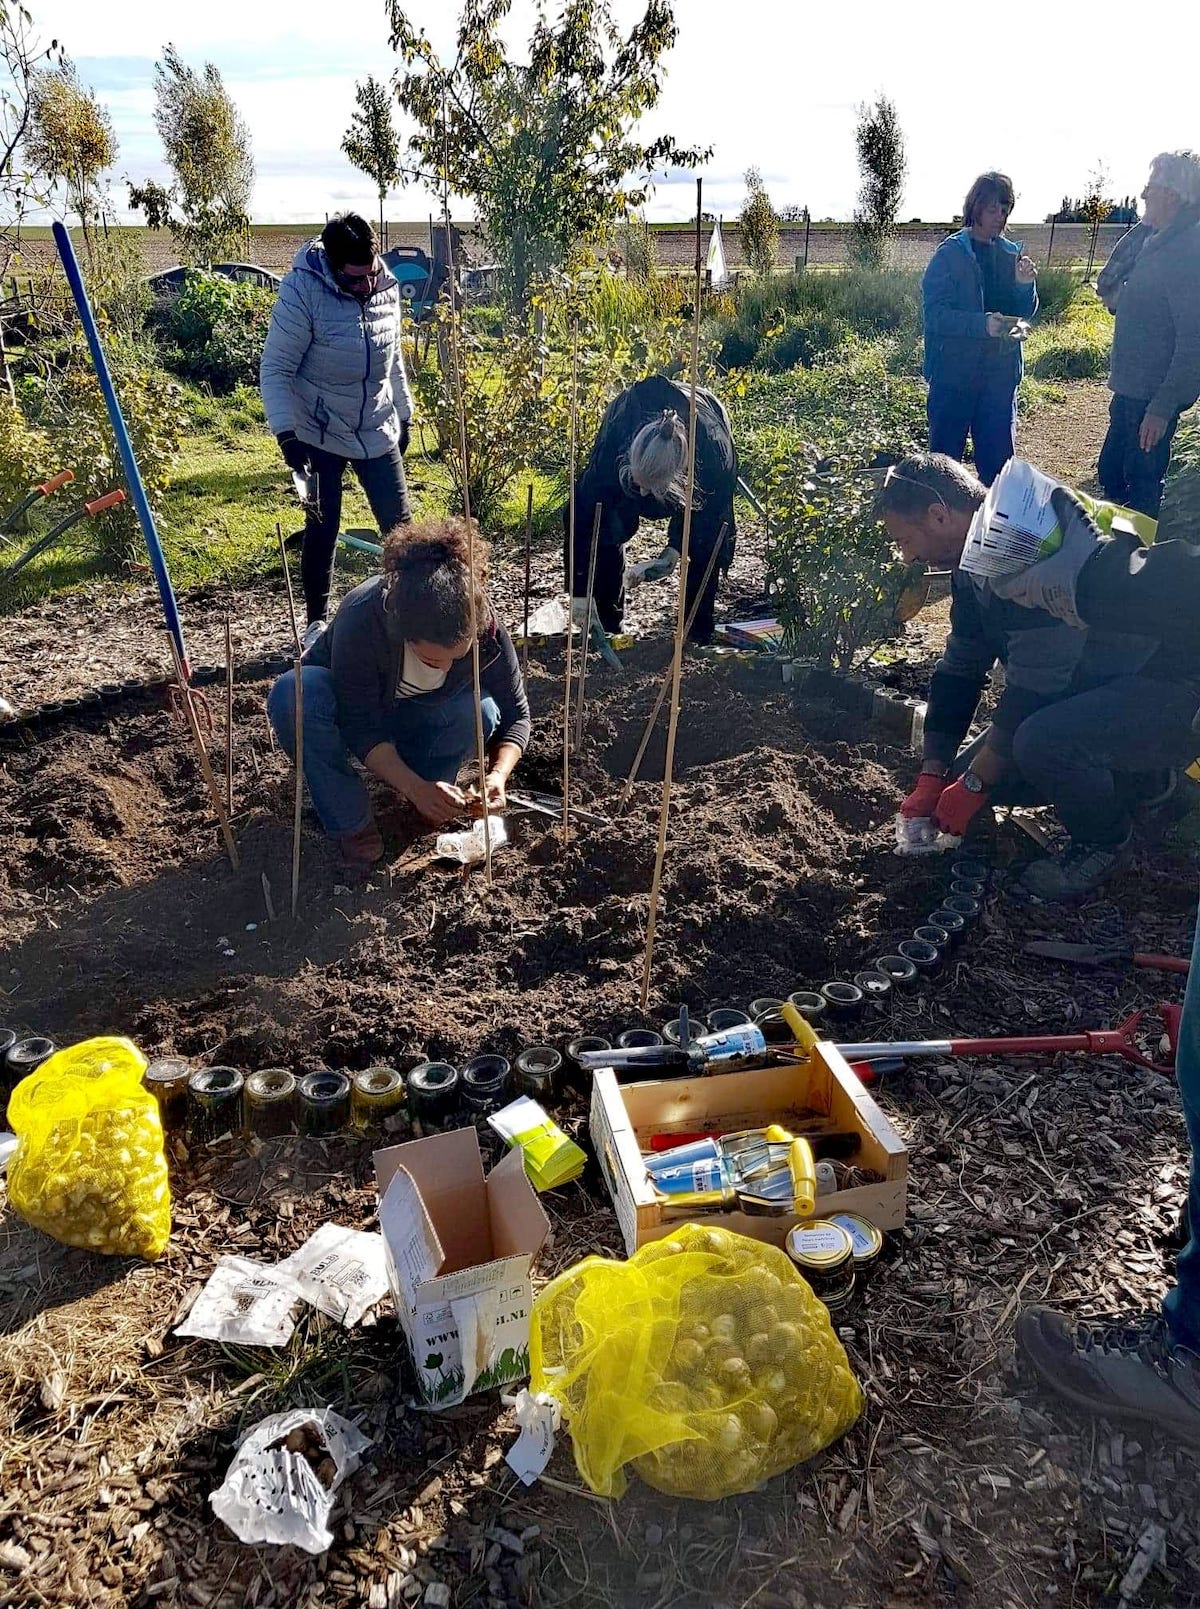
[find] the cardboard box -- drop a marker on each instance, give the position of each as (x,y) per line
(822,1092)
(459,1250)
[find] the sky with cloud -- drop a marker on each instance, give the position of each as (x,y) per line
(1043,94)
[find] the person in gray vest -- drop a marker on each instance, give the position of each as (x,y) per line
(1152,284)
(335,391)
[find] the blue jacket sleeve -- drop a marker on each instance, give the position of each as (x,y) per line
(399,377)
(938,294)
(362,702)
(958,679)
(288,339)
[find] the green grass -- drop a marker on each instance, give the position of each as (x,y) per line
(228,489)
(1077,346)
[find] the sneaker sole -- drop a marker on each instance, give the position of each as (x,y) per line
(1066,1393)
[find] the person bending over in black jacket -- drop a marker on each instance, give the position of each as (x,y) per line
(638,471)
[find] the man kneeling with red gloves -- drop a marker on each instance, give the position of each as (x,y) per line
(1091,721)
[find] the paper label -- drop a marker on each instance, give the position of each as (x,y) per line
(244,1303)
(538,1418)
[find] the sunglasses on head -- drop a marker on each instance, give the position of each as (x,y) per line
(892,473)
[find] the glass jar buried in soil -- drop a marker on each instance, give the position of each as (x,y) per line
(537,1071)
(375,1095)
(167,1081)
(214,1103)
(433,1091)
(324,1102)
(270,1102)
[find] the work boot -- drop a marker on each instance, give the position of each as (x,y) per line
(363,848)
(1080,871)
(1122,1369)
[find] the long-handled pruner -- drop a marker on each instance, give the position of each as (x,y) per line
(1096,955)
(54,484)
(1119,1041)
(85,511)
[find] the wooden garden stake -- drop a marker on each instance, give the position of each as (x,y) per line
(228,717)
(456,366)
(587,626)
(267,899)
(298,747)
(665,685)
(528,545)
(677,663)
(299,761)
(566,741)
(287,576)
(206,770)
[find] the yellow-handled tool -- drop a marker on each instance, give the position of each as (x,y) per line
(802,1167)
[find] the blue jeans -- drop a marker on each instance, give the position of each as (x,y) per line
(1182,1305)
(1083,754)
(1128,475)
(987,412)
(432,737)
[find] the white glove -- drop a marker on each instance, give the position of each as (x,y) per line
(652,570)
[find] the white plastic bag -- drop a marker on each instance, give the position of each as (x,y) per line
(341,1271)
(468,848)
(245,1303)
(273,1494)
(917,835)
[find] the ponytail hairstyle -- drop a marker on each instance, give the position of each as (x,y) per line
(657,462)
(429,582)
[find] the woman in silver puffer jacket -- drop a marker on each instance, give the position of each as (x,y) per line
(335,392)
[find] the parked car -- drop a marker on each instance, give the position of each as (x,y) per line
(168,282)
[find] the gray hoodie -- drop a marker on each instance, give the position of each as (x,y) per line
(333,368)
(1152,283)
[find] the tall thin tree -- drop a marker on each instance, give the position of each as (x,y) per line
(883,168)
(371,142)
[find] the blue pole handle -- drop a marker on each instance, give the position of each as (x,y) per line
(133,477)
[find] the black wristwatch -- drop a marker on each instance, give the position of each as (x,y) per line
(972,783)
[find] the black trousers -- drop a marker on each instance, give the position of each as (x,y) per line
(609,593)
(382,479)
(1128,475)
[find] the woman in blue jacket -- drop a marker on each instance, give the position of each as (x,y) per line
(335,392)
(977,291)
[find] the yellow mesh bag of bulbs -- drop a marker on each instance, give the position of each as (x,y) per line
(705,1363)
(89,1166)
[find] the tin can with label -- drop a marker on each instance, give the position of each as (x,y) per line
(823,1252)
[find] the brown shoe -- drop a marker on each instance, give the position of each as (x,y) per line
(363,848)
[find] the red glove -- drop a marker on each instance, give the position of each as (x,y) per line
(957,808)
(924,797)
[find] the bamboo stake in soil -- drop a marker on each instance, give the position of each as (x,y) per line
(566,738)
(228,717)
(299,807)
(587,625)
(528,545)
(677,664)
(298,742)
(665,685)
(206,770)
(456,366)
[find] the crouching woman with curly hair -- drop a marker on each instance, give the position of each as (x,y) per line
(390,684)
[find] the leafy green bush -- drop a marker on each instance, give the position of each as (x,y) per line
(867,302)
(68,409)
(26,455)
(809,440)
(804,339)
(214,330)
(1180,517)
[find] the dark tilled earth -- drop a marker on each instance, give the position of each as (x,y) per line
(1031,1179)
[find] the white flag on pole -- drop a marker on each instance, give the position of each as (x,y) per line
(717,268)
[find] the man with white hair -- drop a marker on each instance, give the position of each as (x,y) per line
(1152,284)
(637,471)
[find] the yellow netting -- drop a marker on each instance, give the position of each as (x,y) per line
(89,1167)
(705,1362)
